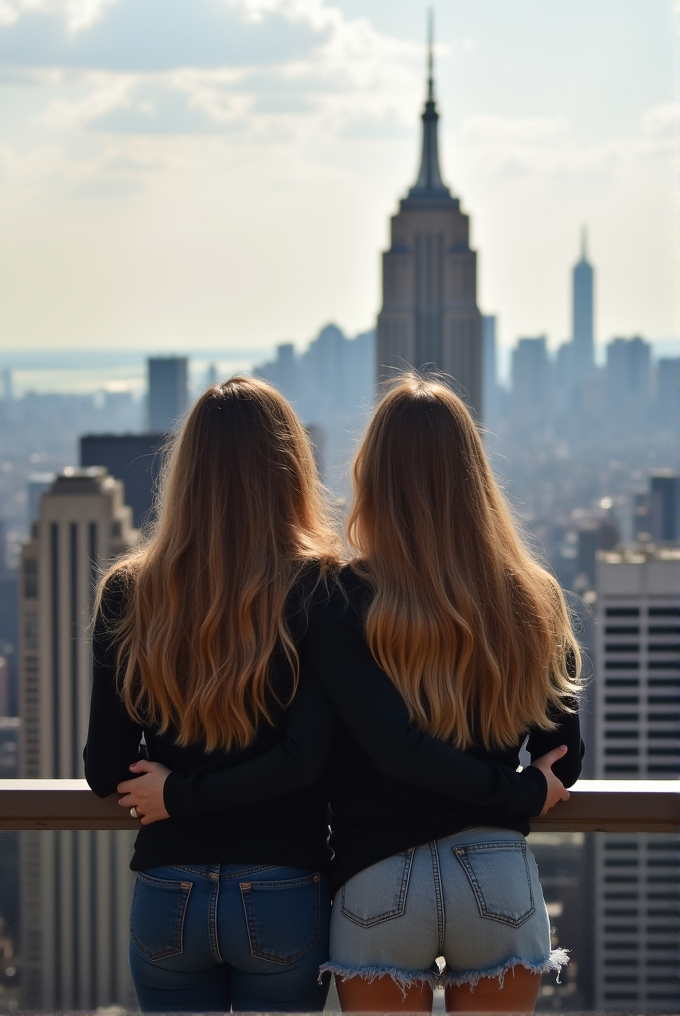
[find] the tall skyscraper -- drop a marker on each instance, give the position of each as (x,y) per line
(582,316)
(168,397)
(637,718)
(75,885)
(429,315)
(136,459)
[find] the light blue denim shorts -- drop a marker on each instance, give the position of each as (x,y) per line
(472,900)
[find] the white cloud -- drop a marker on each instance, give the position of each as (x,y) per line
(108,92)
(77,14)
(346,73)
(352,76)
(548,147)
(522,130)
(260,145)
(662,121)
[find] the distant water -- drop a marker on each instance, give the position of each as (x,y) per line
(84,371)
(78,371)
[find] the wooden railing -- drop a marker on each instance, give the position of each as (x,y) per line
(595,806)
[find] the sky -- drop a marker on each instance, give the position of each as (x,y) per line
(219,174)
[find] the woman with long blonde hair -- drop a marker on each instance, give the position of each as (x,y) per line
(443,646)
(476,637)
(196,650)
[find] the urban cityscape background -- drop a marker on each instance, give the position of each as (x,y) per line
(583,432)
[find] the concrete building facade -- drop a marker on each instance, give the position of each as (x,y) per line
(429,317)
(75,886)
(637,719)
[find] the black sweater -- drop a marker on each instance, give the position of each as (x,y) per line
(293,827)
(390,785)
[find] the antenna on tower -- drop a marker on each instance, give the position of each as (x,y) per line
(430,59)
(584,243)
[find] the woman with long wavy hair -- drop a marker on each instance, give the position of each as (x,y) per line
(476,637)
(443,647)
(197,656)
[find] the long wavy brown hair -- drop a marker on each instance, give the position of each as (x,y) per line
(241,512)
(472,631)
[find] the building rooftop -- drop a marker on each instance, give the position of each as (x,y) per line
(639,554)
(73,480)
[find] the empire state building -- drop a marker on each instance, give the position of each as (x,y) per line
(429,318)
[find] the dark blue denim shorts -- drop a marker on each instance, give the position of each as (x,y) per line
(206,938)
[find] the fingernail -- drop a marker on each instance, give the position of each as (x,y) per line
(563,747)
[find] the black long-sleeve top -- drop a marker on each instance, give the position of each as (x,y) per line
(390,785)
(292,828)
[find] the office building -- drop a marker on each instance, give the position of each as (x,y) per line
(168,397)
(530,380)
(489,374)
(9,629)
(75,885)
(38,483)
(628,375)
(637,718)
(493,395)
(642,525)
(4,687)
(136,459)
(593,534)
(429,317)
(332,379)
(668,392)
(582,316)
(284,371)
(9,746)
(331,386)
(664,506)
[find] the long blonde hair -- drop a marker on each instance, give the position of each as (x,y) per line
(240,514)
(473,632)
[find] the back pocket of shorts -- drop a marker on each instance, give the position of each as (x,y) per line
(499,876)
(157,917)
(377,893)
(282,917)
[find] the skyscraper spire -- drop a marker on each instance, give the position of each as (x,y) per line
(582,314)
(430,56)
(429,184)
(429,313)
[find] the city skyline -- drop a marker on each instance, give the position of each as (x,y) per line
(127,169)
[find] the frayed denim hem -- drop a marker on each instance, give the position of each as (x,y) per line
(404,979)
(557,959)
